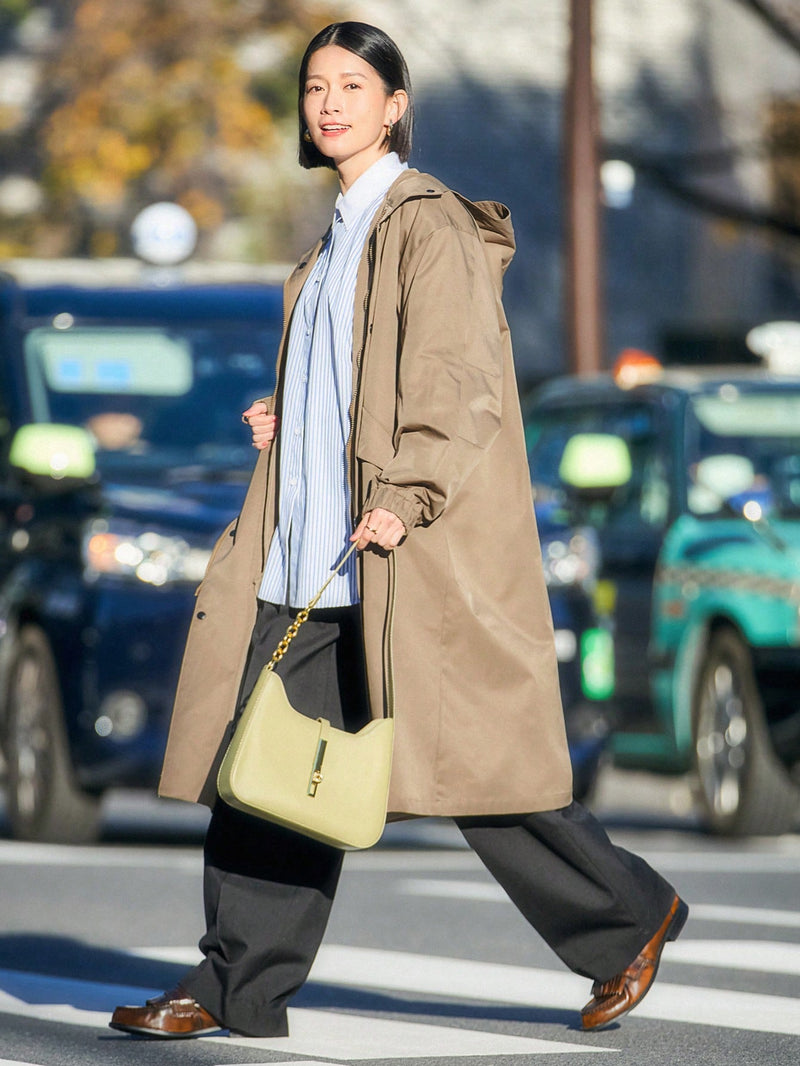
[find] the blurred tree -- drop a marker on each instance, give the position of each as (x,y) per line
(678,172)
(145,100)
(783,125)
(784,137)
(782,16)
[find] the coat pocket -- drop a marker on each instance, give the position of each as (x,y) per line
(223,547)
(480,409)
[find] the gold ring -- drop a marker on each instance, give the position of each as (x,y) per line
(371,529)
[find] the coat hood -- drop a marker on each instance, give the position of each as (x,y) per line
(492,219)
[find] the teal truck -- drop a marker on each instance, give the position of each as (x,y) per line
(690,479)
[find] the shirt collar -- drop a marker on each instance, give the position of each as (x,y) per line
(373,184)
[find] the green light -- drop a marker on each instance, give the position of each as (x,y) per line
(597,664)
(57,451)
(594,461)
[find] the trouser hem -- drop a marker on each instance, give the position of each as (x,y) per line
(595,904)
(270,1024)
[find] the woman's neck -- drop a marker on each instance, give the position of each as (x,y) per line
(351,169)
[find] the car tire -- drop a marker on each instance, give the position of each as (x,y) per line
(44,803)
(743,787)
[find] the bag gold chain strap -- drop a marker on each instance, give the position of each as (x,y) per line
(303,773)
(302,616)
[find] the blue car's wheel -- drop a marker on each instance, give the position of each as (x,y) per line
(43,801)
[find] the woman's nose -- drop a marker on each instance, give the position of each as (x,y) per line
(331,103)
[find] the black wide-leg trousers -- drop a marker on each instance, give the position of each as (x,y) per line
(268,891)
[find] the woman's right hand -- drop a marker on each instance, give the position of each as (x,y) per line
(263,426)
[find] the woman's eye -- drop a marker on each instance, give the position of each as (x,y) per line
(353,85)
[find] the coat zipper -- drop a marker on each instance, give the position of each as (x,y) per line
(354,416)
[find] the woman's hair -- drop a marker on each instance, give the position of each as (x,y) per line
(379,50)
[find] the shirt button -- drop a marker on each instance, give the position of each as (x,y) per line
(292,480)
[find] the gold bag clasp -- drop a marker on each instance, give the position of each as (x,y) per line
(316,769)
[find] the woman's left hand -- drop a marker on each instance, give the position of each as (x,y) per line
(380,527)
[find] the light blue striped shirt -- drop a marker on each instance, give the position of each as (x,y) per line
(314,523)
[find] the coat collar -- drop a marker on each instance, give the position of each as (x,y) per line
(411,185)
(492,218)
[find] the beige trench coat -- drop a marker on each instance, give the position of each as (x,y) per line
(436,438)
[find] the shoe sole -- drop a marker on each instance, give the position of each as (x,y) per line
(678,921)
(160,1034)
(674,930)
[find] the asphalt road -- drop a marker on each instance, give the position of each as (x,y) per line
(425,961)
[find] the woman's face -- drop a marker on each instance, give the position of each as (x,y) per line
(347,110)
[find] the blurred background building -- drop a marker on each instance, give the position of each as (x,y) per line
(107,107)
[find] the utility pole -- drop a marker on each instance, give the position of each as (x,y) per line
(581,200)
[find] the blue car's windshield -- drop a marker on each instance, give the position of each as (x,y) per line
(154,395)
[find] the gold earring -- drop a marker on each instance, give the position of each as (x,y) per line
(389,129)
(307,137)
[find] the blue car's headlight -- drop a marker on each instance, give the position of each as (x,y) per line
(148,556)
(571,560)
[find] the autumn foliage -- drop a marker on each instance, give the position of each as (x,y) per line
(145,100)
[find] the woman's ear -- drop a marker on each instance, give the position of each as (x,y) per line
(398,105)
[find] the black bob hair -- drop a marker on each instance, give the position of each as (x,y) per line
(379,50)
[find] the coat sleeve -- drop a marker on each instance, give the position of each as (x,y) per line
(450,374)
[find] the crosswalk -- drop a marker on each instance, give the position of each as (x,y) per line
(733,974)
(347,1037)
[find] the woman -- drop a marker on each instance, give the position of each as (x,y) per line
(395,424)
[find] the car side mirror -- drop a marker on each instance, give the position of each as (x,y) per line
(54,457)
(593,465)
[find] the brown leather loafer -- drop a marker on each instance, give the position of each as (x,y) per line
(614,998)
(172,1015)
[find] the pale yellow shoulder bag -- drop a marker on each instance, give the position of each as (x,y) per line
(303,773)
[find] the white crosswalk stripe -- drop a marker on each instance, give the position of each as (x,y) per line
(741,862)
(486,891)
(344,1037)
(529,986)
(711,912)
(760,956)
(400,971)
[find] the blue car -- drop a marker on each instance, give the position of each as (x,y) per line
(121,460)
